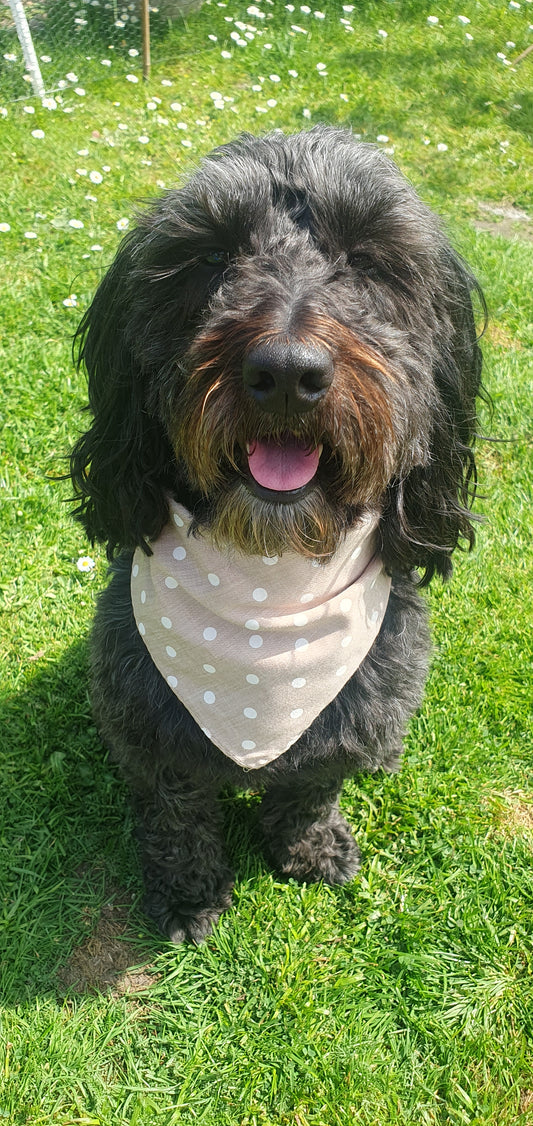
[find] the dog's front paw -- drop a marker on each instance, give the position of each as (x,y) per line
(192,928)
(324,851)
(181,922)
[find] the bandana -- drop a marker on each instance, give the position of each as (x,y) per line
(255,648)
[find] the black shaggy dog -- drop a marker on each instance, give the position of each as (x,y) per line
(281,358)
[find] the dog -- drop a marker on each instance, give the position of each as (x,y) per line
(283,369)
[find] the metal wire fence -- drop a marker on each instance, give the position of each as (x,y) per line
(62,30)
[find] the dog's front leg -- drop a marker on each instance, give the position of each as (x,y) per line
(188,882)
(305,834)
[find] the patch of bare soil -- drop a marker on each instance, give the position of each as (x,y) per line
(501,337)
(108,959)
(526,1101)
(505,220)
(515,815)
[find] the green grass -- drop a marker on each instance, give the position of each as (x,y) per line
(407,996)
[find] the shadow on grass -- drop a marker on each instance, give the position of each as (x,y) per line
(70,905)
(65,841)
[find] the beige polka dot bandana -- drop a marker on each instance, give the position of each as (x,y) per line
(257,647)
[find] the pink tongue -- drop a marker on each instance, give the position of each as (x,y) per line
(282,468)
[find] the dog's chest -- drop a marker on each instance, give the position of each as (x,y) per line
(255,648)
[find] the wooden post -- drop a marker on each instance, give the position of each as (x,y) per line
(524,55)
(145,17)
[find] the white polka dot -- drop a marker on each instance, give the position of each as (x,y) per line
(374,615)
(301,643)
(135,570)
(248,745)
(250,713)
(346,605)
(209,634)
(341,671)
(259,594)
(142,628)
(299,682)
(214,579)
(300,619)
(172,681)
(255,641)
(315,563)
(170,651)
(209,697)
(251,624)
(346,641)
(178,521)
(166,622)
(143,596)
(210,669)
(306,598)
(252,678)
(170,582)
(356,553)
(269,560)
(297,713)
(179,553)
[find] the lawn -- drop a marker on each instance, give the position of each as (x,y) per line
(407,996)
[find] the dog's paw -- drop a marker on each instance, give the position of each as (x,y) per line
(192,928)
(181,921)
(325,851)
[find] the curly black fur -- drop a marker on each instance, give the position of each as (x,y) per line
(311,237)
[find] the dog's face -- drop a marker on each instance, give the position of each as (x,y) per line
(297,400)
(284,342)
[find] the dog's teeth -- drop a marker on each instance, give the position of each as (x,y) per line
(320,447)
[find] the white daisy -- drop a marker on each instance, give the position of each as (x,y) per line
(85,564)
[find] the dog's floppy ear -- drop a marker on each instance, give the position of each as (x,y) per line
(121,467)
(428,512)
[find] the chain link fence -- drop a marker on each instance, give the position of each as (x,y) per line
(63,30)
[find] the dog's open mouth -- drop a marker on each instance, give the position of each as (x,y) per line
(282,470)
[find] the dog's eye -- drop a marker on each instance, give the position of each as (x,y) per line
(216,258)
(359,260)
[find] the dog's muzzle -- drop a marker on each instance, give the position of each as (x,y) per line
(285,379)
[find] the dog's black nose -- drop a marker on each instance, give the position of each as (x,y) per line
(287,377)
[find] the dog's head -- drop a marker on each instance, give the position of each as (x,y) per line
(283,343)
